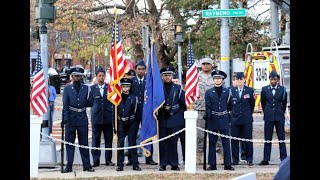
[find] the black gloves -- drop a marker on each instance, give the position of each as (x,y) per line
(63,123)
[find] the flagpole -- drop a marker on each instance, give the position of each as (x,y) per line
(151,55)
(190,107)
(115,59)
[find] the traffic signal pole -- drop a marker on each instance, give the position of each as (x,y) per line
(44,58)
(45,13)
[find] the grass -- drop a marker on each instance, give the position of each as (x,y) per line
(175,176)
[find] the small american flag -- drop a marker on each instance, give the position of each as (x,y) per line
(38,99)
(192,88)
(118,66)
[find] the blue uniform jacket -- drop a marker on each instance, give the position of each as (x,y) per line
(102,109)
(128,109)
(274,106)
(242,107)
(79,100)
(175,99)
(138,90)
(217,104)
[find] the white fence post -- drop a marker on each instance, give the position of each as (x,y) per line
(35,127)
(191,141)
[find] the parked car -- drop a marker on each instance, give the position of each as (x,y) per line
(87,74)
(64,76)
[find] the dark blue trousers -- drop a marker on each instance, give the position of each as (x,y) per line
(70,136)
(268,132)
(107,131)
(225,144)
(242,131)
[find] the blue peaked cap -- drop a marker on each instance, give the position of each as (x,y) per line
(274,74)
(100,69)
(167,70)
(140,63)
(239,75)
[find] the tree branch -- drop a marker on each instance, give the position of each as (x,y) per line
(152,8)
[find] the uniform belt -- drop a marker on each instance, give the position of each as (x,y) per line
(175,107)
(219,113)
(123,118)
(77,109)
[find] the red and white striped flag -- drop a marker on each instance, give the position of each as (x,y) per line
(38,99)
(192,88)
(118,66)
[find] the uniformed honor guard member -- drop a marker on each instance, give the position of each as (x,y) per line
(205,83)
(127,124)
(171,119)
(75,100)
(274,103)
(138,89)
(242,99)
(101,119)
(217,107)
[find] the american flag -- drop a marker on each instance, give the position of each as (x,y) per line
(118,65)
(38,99)
(192,88)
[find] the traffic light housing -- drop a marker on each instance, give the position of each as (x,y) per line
(45,11)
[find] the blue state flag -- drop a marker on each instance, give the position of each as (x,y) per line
(153,100)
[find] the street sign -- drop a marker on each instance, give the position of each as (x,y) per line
(217,13)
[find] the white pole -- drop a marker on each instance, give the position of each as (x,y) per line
(35,127)
(191,141)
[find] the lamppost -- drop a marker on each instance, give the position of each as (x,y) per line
(178,33)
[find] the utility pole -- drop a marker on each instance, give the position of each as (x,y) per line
(93,58)
(225,45)
(45,13)
(274,21)
(178,32)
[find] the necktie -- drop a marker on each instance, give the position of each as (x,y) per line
(140,82)
(240,92)
(101,90)
(273,91)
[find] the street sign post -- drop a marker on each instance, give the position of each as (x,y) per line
(218,13)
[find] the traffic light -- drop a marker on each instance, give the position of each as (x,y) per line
(45,11)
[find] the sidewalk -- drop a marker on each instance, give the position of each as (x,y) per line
(105,171)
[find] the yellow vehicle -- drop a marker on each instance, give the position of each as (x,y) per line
(258,65)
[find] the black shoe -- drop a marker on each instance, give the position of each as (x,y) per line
(129,164)
(228,168)
(109,163)
(89,169)
(67,170)
(162,168)
(96,164)
(119,168)
(235,163)
(211,168)
(136,168)
(250,163)
(243,157)
(151,162)
(263,163)
(175,168)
